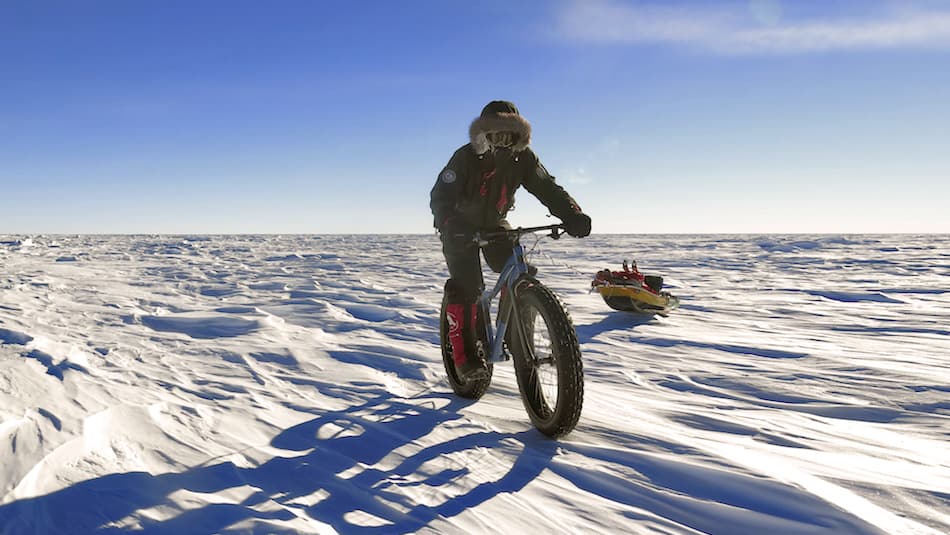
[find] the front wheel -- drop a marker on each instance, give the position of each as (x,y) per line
(472,389)
(547,360)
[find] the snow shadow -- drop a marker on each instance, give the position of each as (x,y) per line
(330,474)
(727,348)
(707,499)
(612,321)
(199,327)
(56,369)
(8,336)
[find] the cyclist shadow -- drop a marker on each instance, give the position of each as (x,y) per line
(612,321)
(333,469)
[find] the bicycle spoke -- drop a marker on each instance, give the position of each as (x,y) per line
(544,361)
(545,409)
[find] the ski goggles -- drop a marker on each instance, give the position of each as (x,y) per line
(502,139)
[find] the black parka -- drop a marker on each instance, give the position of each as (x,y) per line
(478,190)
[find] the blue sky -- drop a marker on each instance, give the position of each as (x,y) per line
(336,116)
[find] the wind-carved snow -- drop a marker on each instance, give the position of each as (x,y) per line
(266,384)
(201,326)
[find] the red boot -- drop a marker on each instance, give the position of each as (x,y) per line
(468,357)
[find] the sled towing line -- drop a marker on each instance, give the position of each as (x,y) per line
(632,291)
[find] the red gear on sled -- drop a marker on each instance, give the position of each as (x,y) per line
(627,276)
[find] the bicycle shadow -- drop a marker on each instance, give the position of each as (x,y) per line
(327,469)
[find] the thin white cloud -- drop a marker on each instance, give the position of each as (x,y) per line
(930,30)
(579,176)
(753,28)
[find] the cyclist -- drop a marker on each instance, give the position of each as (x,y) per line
(474,192)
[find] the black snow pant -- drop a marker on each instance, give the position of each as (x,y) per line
(465,267)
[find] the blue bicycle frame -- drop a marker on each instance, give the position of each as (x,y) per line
(514,268)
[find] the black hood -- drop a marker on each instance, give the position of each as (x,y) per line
(499,116)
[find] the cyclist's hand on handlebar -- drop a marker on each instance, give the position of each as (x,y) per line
(577,225)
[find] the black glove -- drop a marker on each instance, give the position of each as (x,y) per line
(577,225)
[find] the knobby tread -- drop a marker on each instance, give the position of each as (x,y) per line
(561,327)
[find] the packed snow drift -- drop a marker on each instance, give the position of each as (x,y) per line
(294,384)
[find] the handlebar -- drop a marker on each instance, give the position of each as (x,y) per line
(483,239)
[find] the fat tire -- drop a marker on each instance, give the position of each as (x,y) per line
(473,389)
(560,420)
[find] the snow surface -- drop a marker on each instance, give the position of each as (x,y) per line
(267,384)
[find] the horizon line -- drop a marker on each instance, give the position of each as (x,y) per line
(674,233)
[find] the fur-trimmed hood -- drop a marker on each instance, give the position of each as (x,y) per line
(499,116)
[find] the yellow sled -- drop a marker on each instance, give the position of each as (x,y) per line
(634,299)
(631,291)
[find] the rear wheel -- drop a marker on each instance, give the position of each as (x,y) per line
(472,389)
(547,360)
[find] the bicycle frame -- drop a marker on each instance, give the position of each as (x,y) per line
(514,268)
